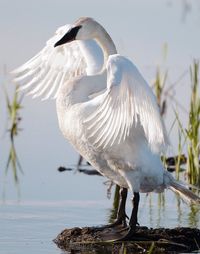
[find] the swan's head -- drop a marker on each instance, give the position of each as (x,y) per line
(82,29)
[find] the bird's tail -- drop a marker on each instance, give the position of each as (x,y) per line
(182,190)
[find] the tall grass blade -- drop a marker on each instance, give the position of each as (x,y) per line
(194,128)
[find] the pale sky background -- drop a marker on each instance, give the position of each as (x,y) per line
(139,29)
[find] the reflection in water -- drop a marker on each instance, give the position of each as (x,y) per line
(161,210)
(193,216)
(13,108)
(161,207)
(150,208)
(115,205)
(179,211)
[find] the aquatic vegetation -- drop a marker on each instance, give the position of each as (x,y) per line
(151,249)
(13,108)
(162,93)
(180,158)
(193,129)
(159,84)
(189,135)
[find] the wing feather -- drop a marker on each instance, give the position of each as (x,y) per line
(59,84)
(43,78)
(43,74)
(55,84)
(105,130)
(127,104)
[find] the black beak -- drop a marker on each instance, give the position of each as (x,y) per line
(69,36)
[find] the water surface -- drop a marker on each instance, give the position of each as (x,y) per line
(30,226)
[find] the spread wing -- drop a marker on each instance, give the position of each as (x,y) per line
(51,67)
(127,103)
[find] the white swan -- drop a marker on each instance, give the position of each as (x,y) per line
(119,131)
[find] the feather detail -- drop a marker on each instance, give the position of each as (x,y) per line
(127,103)
(44,74)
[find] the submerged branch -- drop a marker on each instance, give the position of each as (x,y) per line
(85,171)
(170,163)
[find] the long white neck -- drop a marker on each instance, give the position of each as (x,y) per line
(93,56)
(97,51)
(105,42)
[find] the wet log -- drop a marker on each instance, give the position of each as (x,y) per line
(146,240)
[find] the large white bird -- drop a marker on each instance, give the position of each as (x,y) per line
(105,109)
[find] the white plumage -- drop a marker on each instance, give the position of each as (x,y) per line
(43,74)
(127,101)
(105,109)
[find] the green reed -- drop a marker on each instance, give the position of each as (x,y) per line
(180,158)
(190,135)
(13,108)
(193,129)
(152,248)
(160,83)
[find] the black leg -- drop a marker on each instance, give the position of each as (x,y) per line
(133,219)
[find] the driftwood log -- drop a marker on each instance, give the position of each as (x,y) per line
(88,240)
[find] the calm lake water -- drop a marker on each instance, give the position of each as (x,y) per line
(30,226)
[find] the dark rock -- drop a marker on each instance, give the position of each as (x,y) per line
(97,240)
